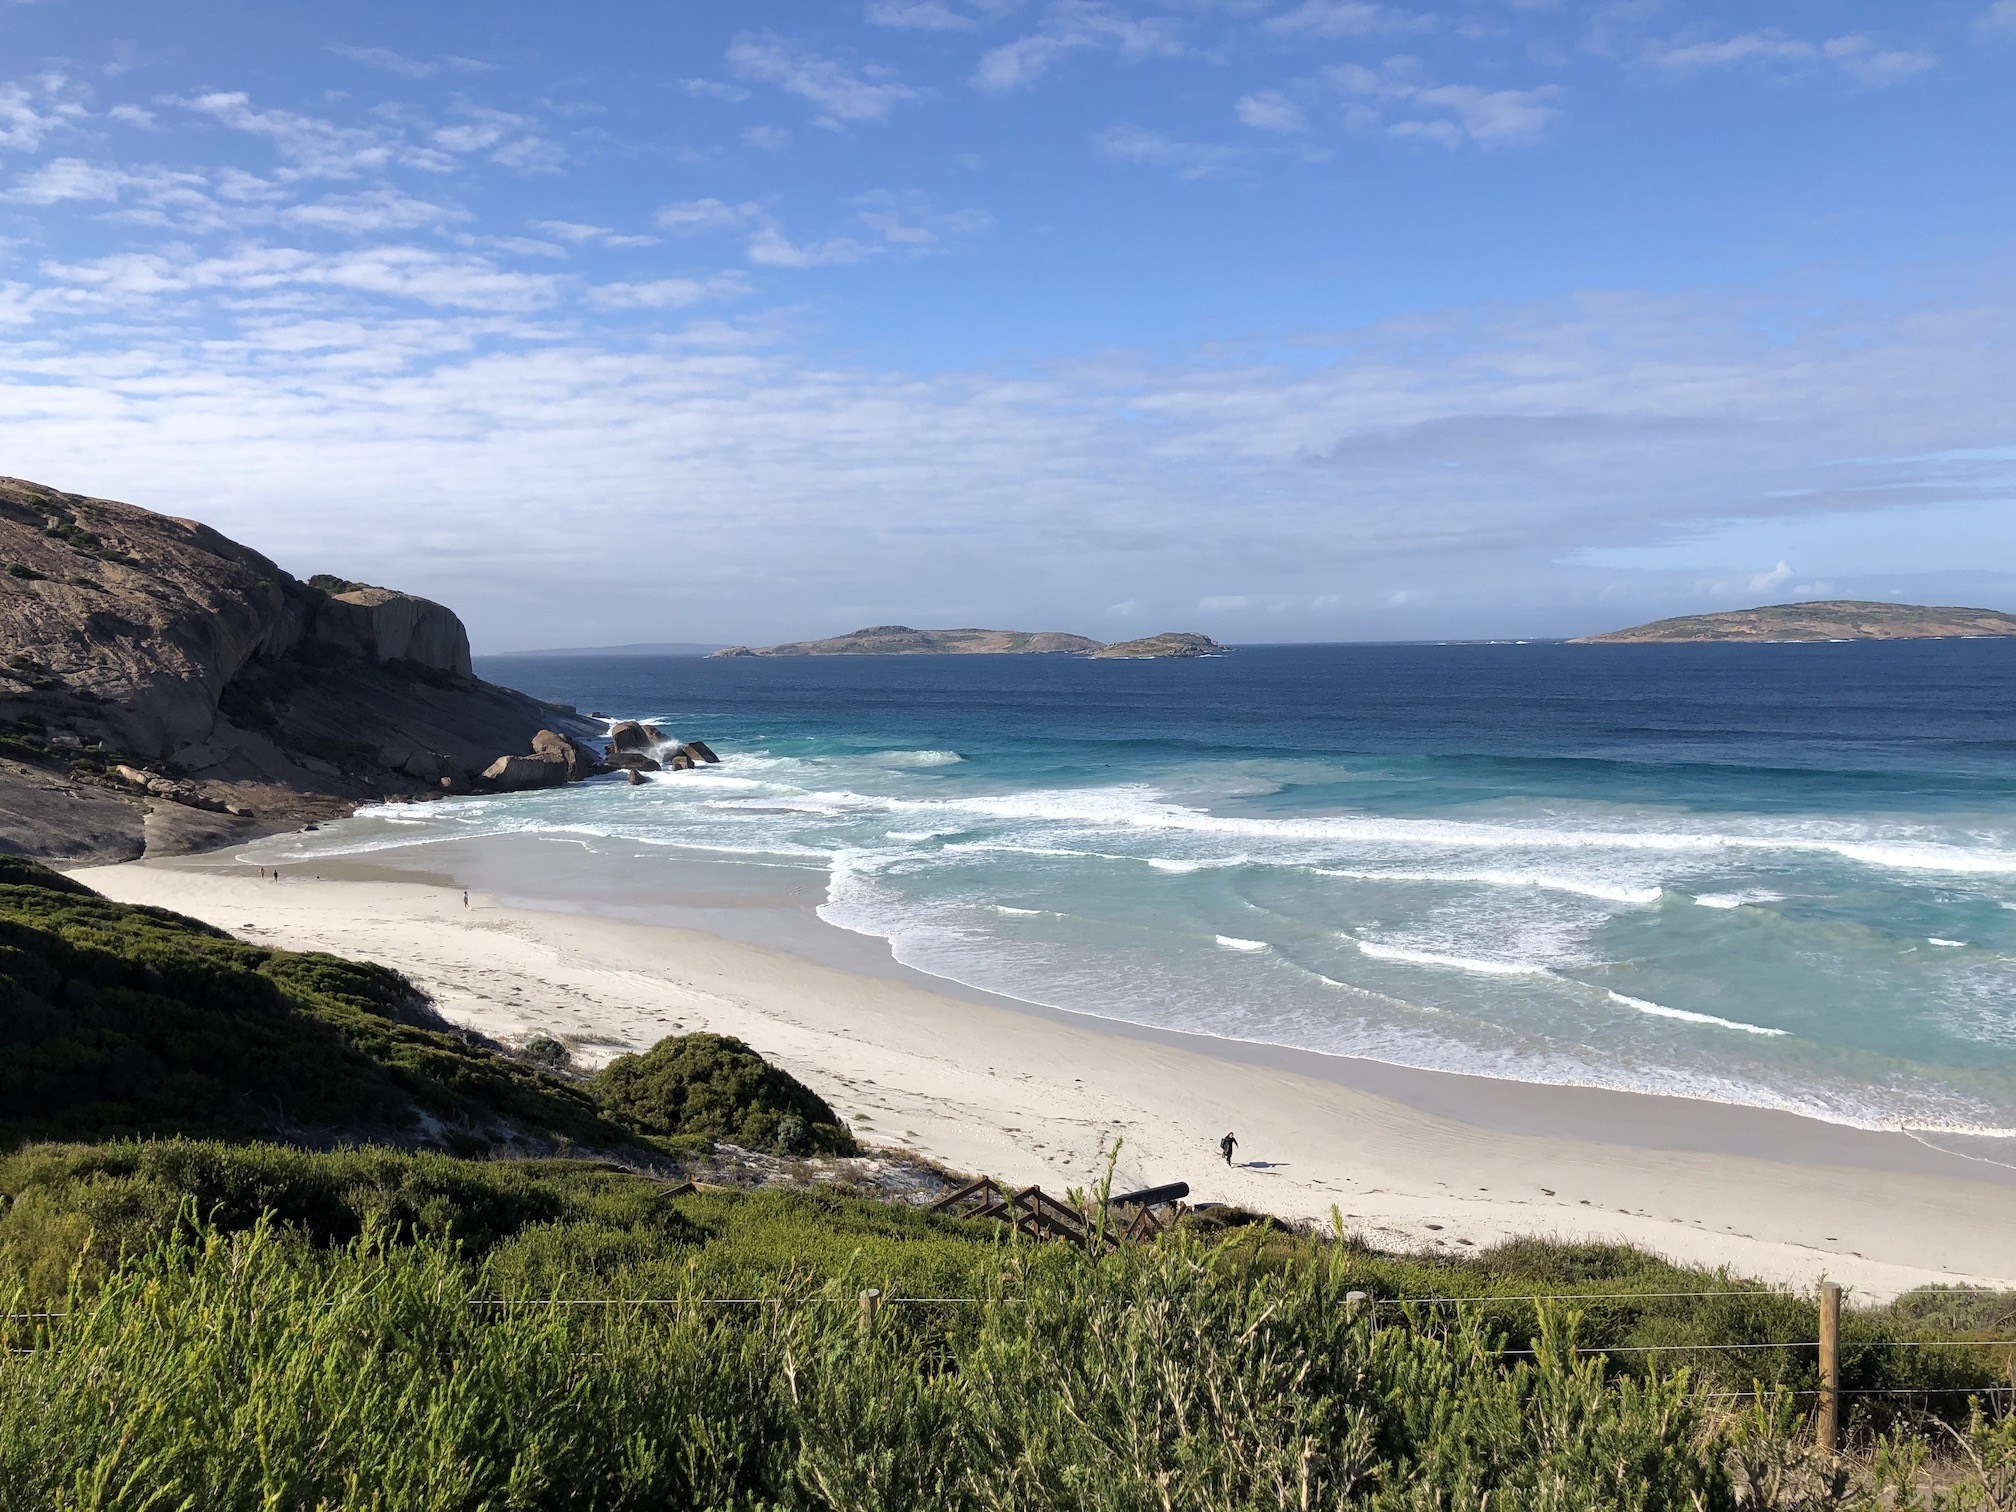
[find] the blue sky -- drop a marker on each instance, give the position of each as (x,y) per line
(1280,319)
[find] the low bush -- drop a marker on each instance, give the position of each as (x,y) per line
(715,1085)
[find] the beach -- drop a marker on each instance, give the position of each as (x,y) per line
(1411,1159)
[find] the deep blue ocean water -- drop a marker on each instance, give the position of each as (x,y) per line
(1782,875)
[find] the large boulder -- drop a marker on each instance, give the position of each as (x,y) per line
(512,774)
(632,736)
(385,625)
(548,745)
(628,761)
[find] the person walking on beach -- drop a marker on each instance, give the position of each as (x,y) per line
(465,897)
(1228,1144)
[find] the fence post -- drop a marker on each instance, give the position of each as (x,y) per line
(1354,1303)
(871,1307)
(1830,1366)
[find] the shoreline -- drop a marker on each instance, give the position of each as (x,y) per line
(1441,1161)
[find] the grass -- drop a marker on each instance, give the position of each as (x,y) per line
(255,1368)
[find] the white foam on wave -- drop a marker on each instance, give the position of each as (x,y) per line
(1170,864)
(1949,944)
(1022,913)
(1741,897)
(1233,942)
(1660,1010)
(915,758)
(1543,881)
(1139,807)
(1401,953)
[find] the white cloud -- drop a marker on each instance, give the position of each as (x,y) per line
(385,59)
(132,280)
(373,211)
(845,96)
(935,15)
(31,110)
(770,247)
(1190,160)
(1270,110)
(1393,99)
(1073,26)
(1998,18)
(767,138)
(1343,18)
(1777,577)
(760,490)
(1860,57)
(571,231)
(667,293)
(689,216)
(317,148)
(908,220)
(68,179)
(131,115)
(712,89)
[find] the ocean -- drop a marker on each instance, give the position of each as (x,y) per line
(1774,875)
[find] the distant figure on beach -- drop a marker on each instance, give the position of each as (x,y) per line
(1228,1144)
(465,897)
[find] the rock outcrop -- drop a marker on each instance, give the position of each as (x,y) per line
(246,698)
(902,640)
(1822,620)
(1171,643)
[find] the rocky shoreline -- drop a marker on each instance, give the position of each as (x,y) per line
(165,689)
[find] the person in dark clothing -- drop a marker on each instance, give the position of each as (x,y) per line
(1229,1143)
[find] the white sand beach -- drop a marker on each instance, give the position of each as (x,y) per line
(1412,1159)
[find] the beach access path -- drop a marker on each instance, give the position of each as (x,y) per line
(1411,1159)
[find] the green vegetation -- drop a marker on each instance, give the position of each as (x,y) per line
(393,1333)
(715,1085)
(121,1021)
(216,1323)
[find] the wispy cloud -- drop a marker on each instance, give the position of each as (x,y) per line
(386,60)
(1270,110)
(1999,18)
(1344,18)
(667,293)
(1076,26)
(845,95)
(1395,99)
(936,15)
(1190,160)
(1859,57)
(32,109)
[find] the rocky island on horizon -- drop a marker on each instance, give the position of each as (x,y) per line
(1822,620)
(904,640)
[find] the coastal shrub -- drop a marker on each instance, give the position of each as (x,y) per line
(237,1370)
(713,1084)
(120,1020)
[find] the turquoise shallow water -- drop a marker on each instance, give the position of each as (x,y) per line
(1775,875)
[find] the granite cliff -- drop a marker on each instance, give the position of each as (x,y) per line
(1823,620)
(164,688)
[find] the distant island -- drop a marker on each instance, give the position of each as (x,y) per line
(1827,620)
(903,640)
(1169,643)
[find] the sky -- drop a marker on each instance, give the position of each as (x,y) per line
(1283,320)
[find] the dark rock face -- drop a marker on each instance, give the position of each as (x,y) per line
(129,637)
(632,736)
